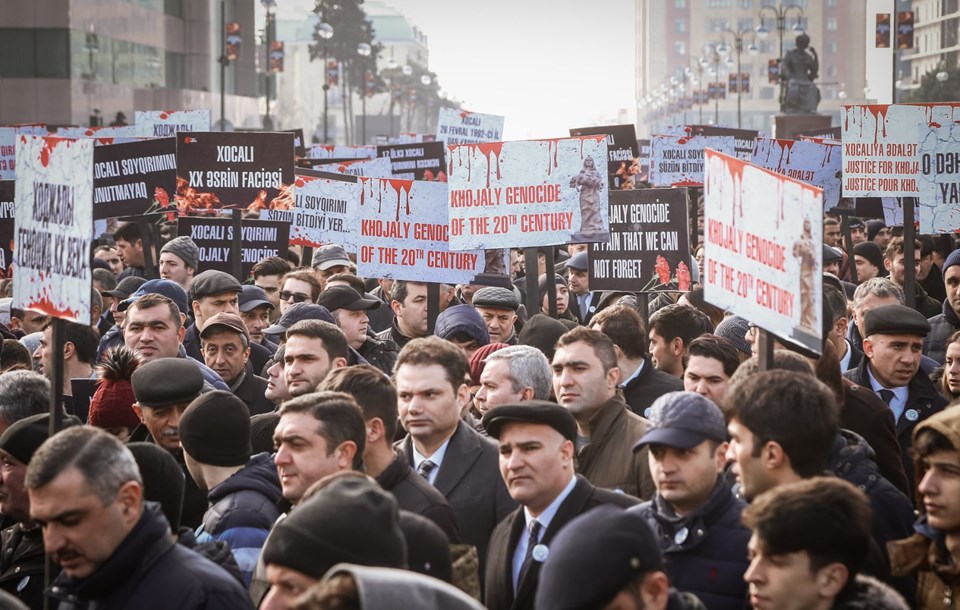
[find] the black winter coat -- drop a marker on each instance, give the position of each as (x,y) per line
(706,551)
(21,564)
(149,571)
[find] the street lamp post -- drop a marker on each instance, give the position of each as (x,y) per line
(364,50)
(780,13)
(270,6)
(724,49)
(712,56)
(408,71)
(325,31)
(392,67)
(426,81)
(697,81)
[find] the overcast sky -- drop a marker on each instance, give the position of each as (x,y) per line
(547,65)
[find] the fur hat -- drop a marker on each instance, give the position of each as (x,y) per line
(112,403)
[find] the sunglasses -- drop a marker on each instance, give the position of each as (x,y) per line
(296,297)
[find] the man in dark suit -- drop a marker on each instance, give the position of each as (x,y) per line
(892,344)
(585,303)
(432,390)
(536,461)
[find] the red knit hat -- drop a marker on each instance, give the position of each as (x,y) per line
(477,360)
(112,403)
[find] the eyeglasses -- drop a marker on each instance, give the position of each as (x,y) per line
(294,296)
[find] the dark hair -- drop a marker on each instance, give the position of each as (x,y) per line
(372,390)
(426,351)
(293,258)
(304,275)
(128,231)
(625,328)
(85,340)
(333,339)
(928,442)
(106,278)
(837,302)
(272,265)
(603,347)
(262,427)
(105,463)
(826,517)
(718,348)
(14,356)
(684,321)
(783,360)
(151,300)
(796,411)
(830,221)
(895,247)
(351,280)
(399,290)
(340,419)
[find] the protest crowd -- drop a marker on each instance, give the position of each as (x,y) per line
(308,433)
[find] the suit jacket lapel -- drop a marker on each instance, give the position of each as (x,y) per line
(572,506)
(462,451)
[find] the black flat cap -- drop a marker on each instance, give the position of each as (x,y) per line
(496,298)
(610,544)
(166,381)
(252,297)
(126,287)
(345,297)
(895,320)
(24,436)
(213,282)
(831,254)
(534,412)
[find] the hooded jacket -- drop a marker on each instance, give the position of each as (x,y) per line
(149,571)
(852,460)
(925,553)
(941,327)
(705,552)
(242,510)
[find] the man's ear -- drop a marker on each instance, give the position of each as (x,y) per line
(138,411)
(867,347)
(887,264)
(676,346)
(69,349)
(375,430)
(831,579)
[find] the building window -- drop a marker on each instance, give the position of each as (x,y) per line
(831,3)
(748,4)
(719,3)
(34,53)
(680,3)
(715,24)
(680,47)
(680,26)
(831,46)
(831,24)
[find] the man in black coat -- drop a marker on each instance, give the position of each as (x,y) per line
(893,339)
(536,461)
(225,343)
(432,390)
(641,382)
(378,400)
(116,551)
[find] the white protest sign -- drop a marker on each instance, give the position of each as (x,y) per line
(325,212)
(528,193)
(335,151)
(679,161)
(939,157)
(403,234)
(53,226)
(880,145)
(811,162)
(763,248)
(125,131)
(380,167)
(164,123)
(8,146)
(456,126)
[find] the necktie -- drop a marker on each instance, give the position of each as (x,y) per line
(425,468)
(532,541)
(886,395)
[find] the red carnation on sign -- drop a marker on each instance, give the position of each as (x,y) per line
(663,270)
(161,197)
(683,276)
